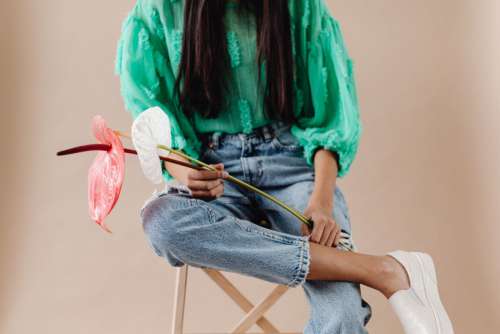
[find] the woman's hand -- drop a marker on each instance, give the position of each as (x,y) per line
(325,232)
(205,183)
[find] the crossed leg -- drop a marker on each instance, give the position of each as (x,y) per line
(336,306)
(222,235)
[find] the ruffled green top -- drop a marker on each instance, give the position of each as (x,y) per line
(325,103)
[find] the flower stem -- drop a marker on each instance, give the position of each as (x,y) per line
(237,181)
(106,147)
(234,180)
(243,184)
(345,239)
(293,211)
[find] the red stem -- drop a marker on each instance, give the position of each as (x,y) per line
(105,147)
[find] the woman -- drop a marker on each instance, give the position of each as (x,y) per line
(263,90)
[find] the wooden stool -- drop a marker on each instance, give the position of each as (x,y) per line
(255,314)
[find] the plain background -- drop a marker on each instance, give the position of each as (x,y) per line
(427,176)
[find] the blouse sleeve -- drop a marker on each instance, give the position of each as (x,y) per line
(332,121)
(146,78)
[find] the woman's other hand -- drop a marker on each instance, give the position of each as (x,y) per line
(205,183)
(325,232)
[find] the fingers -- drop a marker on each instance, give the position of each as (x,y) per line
(331,240)
(304,229)
(212,193)
(207,174)
(219,166)
(326,232)
(203,185)
(207,183)
(317,231)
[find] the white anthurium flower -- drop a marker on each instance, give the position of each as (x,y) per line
(150,129)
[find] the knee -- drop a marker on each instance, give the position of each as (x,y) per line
(165,221)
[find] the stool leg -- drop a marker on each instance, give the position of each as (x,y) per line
(239,299)
(258,310)
(180,300)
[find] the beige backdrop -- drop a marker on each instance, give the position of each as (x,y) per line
(426,177)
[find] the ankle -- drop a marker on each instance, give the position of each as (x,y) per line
(391,276)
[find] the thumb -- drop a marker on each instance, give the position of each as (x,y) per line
(305,230)
(219,166)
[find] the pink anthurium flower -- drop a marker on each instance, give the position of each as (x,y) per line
(106,174)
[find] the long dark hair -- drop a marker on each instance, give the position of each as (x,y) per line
(205,61)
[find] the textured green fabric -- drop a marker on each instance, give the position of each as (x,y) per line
(326,105)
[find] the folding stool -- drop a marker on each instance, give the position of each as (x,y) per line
(254,315)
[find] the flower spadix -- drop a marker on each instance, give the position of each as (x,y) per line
(106,174)
(150,129)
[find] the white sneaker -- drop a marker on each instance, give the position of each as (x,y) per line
(419,308)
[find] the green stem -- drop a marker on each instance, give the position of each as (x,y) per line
(248,186)
(345,243)
(243,184)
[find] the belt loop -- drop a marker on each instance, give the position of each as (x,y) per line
(275,127)
(266,132)
(278,127)
(216,139)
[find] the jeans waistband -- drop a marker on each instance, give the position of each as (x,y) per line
(264,133)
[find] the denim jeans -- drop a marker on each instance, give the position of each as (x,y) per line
(226,234)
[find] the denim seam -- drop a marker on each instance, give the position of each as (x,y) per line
(288,240)
(231,200)
(304,261)
(302,269)
(210,213)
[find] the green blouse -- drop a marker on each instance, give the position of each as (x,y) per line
(325,101)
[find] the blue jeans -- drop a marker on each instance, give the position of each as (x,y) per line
(225,233)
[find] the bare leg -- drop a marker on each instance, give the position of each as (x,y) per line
(382,273)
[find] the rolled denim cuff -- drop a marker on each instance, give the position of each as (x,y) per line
(303,263)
